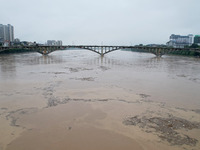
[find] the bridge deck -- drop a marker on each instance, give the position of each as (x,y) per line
(102,50)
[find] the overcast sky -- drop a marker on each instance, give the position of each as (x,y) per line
(107,22)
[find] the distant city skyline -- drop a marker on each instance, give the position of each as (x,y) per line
(54,43)
(108,22)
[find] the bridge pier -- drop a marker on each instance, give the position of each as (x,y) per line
(158,52)
(102,54)
(44,50)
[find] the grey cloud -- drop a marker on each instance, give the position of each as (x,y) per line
(118,22)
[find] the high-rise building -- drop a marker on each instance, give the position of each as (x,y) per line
(179,41)
(6,33)
(10,33)
(51,42)
(2,32)
(59,43)
(54,43)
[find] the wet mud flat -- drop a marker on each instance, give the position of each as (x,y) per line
(166,128)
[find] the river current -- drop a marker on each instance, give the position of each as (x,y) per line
(91,98)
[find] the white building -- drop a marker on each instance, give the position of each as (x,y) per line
(59,43)
(6,33)
(54,43)
(178,41)
(2,33)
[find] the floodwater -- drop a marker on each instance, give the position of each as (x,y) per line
(77,100)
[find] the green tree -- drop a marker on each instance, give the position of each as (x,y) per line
(194,46)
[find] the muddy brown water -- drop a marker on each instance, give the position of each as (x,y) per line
(75,99)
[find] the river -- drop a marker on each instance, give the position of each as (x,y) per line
(76,99)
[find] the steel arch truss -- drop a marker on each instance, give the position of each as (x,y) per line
(101,50)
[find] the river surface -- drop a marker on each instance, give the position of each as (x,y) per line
(76,99)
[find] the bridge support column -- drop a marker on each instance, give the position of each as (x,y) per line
(45,52)
(158,52)
(102,51)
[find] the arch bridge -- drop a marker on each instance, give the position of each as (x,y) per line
(101,50)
